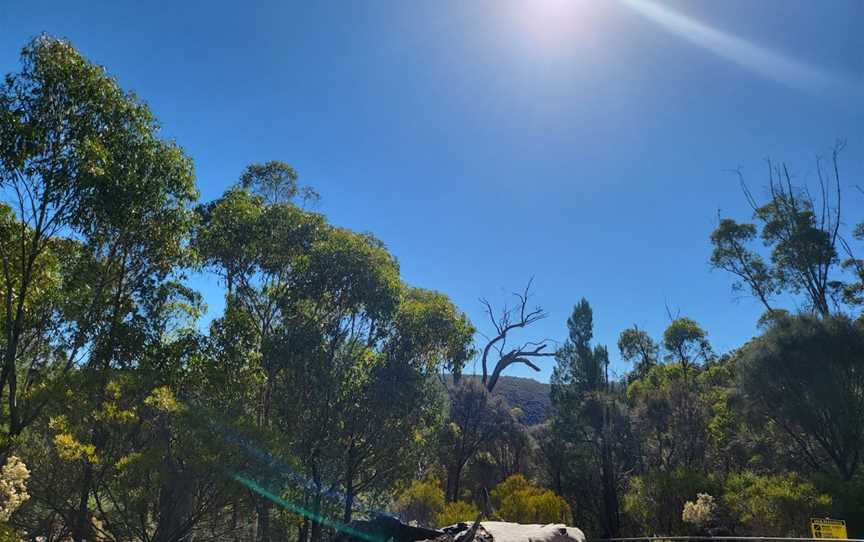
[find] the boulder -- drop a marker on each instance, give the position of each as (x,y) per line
(502,531)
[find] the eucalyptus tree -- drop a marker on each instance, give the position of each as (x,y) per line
(397,431)
(97,218)
(638,348)
(805,375)
(348,291)
(686,343)
(152,467)
(255,246)
(345,350)
(361,384)
(803,235)
(87,181)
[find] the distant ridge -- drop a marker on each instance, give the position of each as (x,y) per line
(531,396)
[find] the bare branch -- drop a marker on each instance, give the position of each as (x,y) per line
(669,311)
(510,319)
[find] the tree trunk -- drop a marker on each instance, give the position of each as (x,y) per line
(349,485)
(175,509)
(263,505)
(176,495)
(610,504)
(611,509)
(349,503)
(315,532)
(253,524)
(81,522)
(454,478)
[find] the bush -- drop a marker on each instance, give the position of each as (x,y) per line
(421,502)
(511,485)
(700,513)
(516,499)
(13,493)
(13,487)
(775,505)
(654,500)
(457,512)
(9,534)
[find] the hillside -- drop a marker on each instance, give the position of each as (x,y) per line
(526,393)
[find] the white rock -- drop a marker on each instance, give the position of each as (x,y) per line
(502,531)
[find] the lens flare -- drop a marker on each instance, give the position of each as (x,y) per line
(758,59)
(297,509)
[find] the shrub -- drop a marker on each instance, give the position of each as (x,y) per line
(13,493)
(775,505)
(421,502)
(654,500)
(13,487)
(457,512)
(516,499)
(701,512)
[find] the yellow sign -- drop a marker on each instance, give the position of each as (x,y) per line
(828,528)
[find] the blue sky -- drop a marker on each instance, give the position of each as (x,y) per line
(585,143)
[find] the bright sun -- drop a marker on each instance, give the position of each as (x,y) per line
(551,25)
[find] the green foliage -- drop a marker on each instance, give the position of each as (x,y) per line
(474,420)
(517,500)
(593,437)
(806,376)
(430,318)
(320,381)
(457,512)
(730,254)
(773,505)
(276,182)
(509,487)
(801,233)
(421,502)
(103,220)
(638,348)
(579,368)
(686,343)
(135,421)
(10,534)
(655,499)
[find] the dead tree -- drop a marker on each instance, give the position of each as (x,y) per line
(478,416)
(506,321)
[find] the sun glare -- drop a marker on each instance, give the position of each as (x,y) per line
(551,26)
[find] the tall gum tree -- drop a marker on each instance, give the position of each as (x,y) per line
(802,233)
(86,178)
(347,352)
